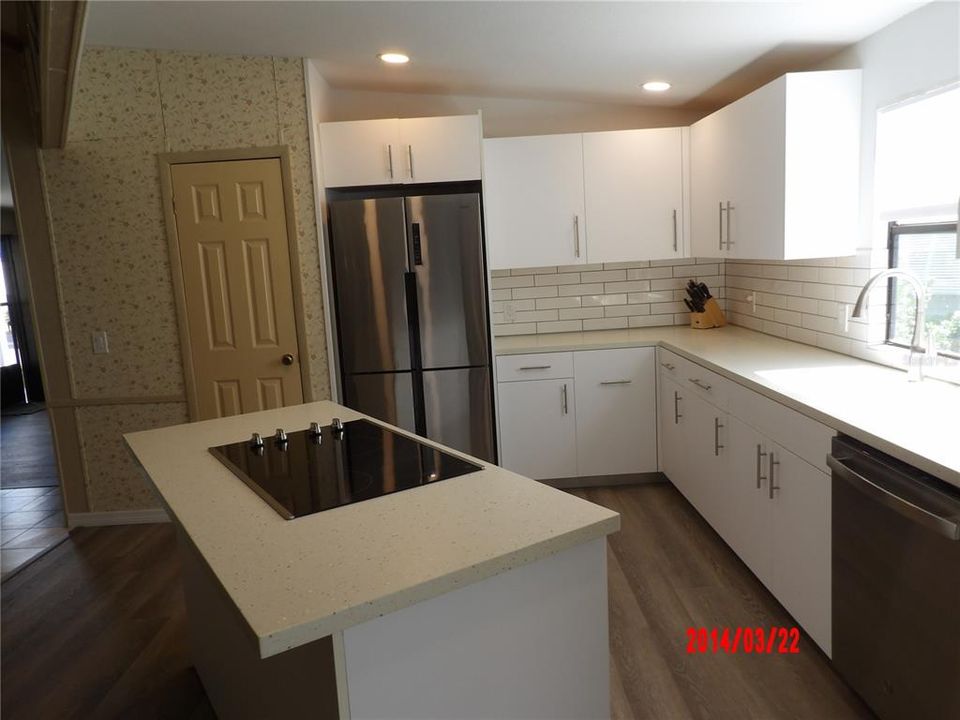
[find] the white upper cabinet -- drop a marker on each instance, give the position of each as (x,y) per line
(533,198)
(634,188)
(775,175)
(441,149)
(379,152)
(364,152)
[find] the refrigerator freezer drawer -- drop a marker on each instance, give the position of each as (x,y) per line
(458,410)
(385,396)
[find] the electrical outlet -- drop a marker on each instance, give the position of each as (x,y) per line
(100,344)
(509,312)
(752,298)
(843,318)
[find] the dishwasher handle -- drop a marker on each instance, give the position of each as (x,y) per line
(945,526)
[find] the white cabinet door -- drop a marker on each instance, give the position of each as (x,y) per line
(800,515)
(440,149)
(633,185)
(365,152)
(709,164)
(616,411)
(775,175)
(748,528)
(755,145)
(533,199)
(673,428)
(538,429)
(705,460)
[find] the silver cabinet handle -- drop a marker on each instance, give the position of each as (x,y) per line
(720,232)
(696,381)
(760,475)
(576,235)
(410,161)
(716,436)
(729,208)
(390,160)
(674,230)
(616,382)
(773,485)
(563,398)
(676,408)
(668,366)
(534,367)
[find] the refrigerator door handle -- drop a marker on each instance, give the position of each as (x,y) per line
(413,318)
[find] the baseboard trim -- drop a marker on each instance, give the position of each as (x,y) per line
(117,517)
(606,480)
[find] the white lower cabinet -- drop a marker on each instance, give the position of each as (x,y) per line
(673,427)
(748,529)
(592,413)
(538,428)
(771,506)
(616,411)
(801,520)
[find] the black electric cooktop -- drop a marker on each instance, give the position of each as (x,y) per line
(309,471)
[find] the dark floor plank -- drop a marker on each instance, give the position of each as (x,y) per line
(26,451)
(676,572)
(96,629)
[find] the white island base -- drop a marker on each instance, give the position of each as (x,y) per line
(530,642)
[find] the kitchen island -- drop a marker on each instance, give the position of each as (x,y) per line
(482,595)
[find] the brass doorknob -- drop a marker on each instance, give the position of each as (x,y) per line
(287,359)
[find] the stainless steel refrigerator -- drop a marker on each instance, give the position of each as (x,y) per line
(410,287)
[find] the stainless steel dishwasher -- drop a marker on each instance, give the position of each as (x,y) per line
(896,584)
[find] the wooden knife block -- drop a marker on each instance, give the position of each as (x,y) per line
(711,317)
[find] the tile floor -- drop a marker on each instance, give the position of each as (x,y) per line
(31,523)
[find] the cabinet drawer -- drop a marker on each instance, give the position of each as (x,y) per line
(540,366)
(793,430)
(713,388)
(707,384)
(670,364)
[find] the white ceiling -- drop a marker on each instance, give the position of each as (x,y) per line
(596,51)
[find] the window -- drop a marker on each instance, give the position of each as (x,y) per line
(929,251)
(8,347)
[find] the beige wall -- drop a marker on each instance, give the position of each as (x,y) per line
(504,117)
(112,262)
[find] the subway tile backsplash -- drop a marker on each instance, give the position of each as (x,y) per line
(809,301)
(602,296)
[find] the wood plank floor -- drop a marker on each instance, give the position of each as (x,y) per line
(26,451)
(668,570)
(96,628)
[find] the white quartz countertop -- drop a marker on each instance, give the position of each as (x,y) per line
(918,423)
(295,581)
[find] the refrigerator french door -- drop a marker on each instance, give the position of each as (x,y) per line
(409,281)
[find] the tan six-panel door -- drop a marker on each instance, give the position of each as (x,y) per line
(232,234)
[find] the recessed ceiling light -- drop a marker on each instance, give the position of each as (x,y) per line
(394,58)
(656,86)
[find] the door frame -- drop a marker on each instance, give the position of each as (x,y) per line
(166,161)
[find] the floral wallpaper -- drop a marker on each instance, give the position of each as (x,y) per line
(109,236)
(114,481)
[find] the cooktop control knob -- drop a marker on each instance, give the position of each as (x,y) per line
(280,438)
(256,443)
(316,434)
(337,425)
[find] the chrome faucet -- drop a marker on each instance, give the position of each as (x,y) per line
(915,363)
